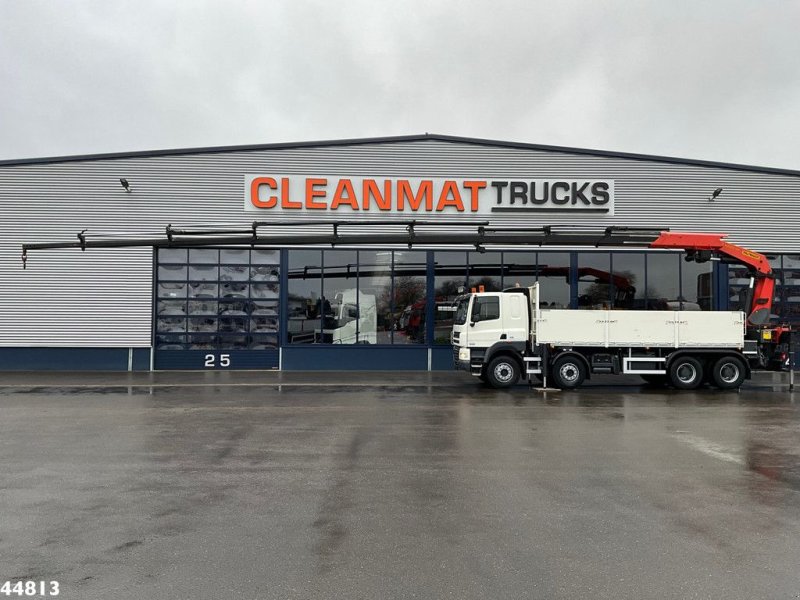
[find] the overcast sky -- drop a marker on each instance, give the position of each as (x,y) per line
(716,80)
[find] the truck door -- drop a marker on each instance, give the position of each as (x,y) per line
(515,317)
(485,325)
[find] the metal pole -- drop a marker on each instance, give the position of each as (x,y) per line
(791,361)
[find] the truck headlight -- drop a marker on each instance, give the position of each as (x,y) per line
(463,354)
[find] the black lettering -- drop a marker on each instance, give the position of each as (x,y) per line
(499,185)
(560,185)
(519,191)
(600,193)
(577,192)
(545,195)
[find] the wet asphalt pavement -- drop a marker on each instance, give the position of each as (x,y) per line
(395,486)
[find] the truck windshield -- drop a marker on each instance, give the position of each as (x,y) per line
(462,306)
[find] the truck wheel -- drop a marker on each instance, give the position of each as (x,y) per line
(568,372)
(502,372)
(686,373)
(728,373)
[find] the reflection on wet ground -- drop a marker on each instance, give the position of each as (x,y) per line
(407,487)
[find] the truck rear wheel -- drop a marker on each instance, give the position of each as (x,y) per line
(568,372)
(686,373)
(728,373)
(502,372)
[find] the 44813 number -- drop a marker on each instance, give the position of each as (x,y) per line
(30,588)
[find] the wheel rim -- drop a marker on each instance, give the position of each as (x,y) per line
(504,372)
(569,372)
(729,372)
(686,373)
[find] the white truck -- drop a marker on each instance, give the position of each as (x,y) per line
(351,319)
(503,336)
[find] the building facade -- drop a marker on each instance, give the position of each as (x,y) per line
(366,306)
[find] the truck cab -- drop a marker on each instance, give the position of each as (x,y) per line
(490,324)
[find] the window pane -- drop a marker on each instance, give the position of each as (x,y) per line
(594,280)
(263,342)
(237,273)
(203,307)
(519,269)
(341,300)
(485,270)
(172,272)
(264,308)
(172,255)
(305,289)
(172,290)
(236,256)
(410,299)
(265,257)
(203,290)
(202,341)
(485,309)
(203,273)
(265,273)
(450,274)
(203,256)
(171,324)
(696,286)
(268,291)
(202,324)
(171,307)
(628,287)
(234,290)
(375,284)
(553,277)
(663,281)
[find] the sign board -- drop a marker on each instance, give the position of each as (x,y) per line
(346,196)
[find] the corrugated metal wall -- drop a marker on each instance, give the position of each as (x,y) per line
(103,297)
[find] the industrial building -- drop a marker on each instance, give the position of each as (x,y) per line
(306,305)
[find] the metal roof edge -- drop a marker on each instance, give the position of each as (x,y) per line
(399,139)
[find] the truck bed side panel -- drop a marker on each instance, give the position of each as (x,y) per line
(666,329)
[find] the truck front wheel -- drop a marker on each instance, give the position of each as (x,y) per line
(568,372)
(728,373)
(502,372)
(686,373)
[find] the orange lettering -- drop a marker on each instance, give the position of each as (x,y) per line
(384,201)
(285,202)
(312,193)
(474,187)
(344,185)
(450,196)
(270,202)
(414,201)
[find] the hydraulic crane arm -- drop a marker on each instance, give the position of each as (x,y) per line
(700,246)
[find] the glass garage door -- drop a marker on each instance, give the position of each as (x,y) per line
(217,308)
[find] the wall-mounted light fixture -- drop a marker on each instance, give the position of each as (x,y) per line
(126,185)
(714,194)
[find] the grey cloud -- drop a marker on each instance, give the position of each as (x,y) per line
(712,80)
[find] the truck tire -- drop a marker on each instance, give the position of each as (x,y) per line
(502,372)
(686,373)
(568,372)
(728,373)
